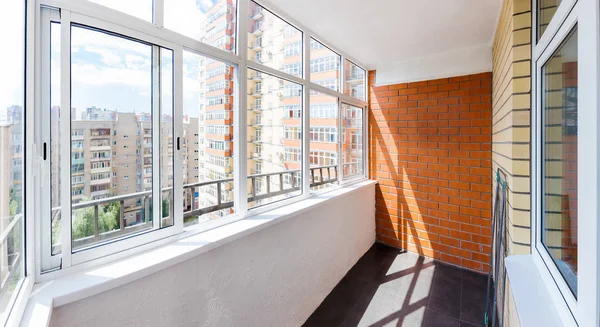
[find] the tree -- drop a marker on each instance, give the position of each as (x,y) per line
(108,219)
(165,208)
(13,203)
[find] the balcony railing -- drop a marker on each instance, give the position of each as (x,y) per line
(11,262)
(145,197)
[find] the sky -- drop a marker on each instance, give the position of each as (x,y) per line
(108,71)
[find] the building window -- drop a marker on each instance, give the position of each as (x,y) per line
(12,122)
(268,132)
(354,80)
(323,134)
(210,23)
(564,196)
(271,26)
(352,131)
(293,154)
(324,64)
(323,59)
(110,158)
(559,137)
(292,133)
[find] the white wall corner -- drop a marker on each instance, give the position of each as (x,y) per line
(465,61)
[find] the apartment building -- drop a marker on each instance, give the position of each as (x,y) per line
(215,132)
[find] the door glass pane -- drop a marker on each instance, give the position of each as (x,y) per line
(546,10)
(274,162)
(166,137)
(324,66)
(207,139)
(273,42)
(12,165)
(212,21)
(111,97)
(559,158)
(354,80)
(55,163)
(323,138)
(352,140)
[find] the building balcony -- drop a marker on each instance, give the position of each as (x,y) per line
(257,15)
(256,46)
(100,170)
(254,92)
(100,148)
(101,181)
(100,193)
(391,224)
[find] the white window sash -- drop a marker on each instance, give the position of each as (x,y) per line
(104,18)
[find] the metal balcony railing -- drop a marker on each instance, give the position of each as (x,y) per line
(327,174)
(12,261)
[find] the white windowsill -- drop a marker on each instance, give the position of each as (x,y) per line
(536,304)
(61,291)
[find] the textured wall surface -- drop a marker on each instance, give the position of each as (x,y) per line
(274,277)
(430,147)
(511,116)
(511,128)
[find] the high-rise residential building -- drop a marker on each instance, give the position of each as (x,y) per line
(212,144)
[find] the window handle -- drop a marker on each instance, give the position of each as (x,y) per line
(178,144)
(44,151)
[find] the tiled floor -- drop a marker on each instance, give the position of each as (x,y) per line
(390,288)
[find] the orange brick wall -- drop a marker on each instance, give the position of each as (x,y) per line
(430,151)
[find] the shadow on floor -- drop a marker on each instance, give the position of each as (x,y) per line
(388,287)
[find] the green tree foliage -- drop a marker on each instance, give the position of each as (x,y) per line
(165,208)
(13,203)
(83,219)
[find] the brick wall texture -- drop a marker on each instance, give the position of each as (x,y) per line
(511,121)
(430,151)
(511,117)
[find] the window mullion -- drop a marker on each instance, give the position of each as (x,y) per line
(306,117)
(65,137)
(178,137)
(159,13)
(365,140)
(156,140)
(240,160)
(340,174)
(45,202)
(342,74)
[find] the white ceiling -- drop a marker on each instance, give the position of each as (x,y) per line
(376,32)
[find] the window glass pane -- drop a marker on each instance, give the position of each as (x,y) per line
(76,138)
(210,21)
(354,80)
(138,8)
(208,139)
(352,140)
(323,138)
(559,158)
(111,97)
(166,136)
(12,18)
(324,66)
(274,161)
(546,10)
(273,42)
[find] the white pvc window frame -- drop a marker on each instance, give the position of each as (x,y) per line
(583,309)
(103,18)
